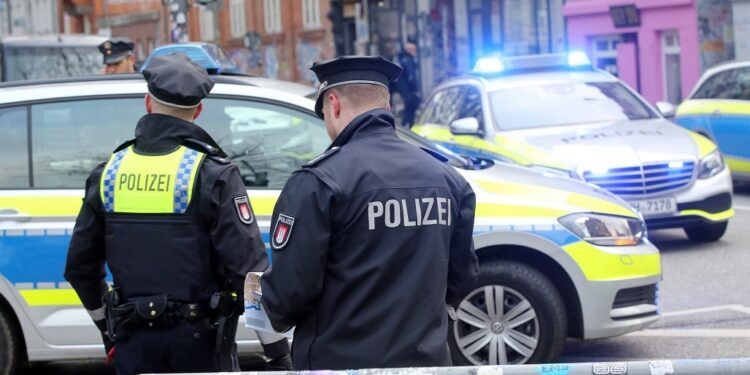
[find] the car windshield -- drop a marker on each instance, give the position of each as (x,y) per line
(40,62)
(566,104)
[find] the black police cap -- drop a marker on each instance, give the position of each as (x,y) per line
(177,81)
(344,70)
(116,49)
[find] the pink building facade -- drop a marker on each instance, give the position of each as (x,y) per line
(658,47)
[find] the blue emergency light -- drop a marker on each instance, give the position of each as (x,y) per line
(497,64)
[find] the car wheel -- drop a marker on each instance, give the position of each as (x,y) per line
(514,315)
(9,348)
(707,232)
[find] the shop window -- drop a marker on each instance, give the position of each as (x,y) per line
(206,20)
(237,18)
(670,49)
(272,16)
(310,14)
(604,52)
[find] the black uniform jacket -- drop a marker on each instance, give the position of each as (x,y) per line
(155,255)
(371,239)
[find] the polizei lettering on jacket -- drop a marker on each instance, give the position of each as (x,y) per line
(412,212)
(144,182)
(612,134)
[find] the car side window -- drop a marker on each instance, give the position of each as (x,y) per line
(720,86)
(14,148)
(741,89)
(70,138)
(472,105)
(444,107)
(266,141)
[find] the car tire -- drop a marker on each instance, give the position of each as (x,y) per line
(707,232)
(518,282)
(9,347)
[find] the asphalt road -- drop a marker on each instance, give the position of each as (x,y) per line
(704,299)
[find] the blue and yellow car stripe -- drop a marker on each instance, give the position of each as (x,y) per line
(692,112)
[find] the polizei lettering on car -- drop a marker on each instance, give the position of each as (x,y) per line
(617,133)
(395,213)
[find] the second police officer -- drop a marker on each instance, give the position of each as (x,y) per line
(171,218)
(118,56)
(371,239)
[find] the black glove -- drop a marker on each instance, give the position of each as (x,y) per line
(108,343)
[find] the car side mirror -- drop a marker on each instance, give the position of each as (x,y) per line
(465,126)
(667,109)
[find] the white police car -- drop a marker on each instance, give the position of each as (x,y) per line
(559,258)
(557,113)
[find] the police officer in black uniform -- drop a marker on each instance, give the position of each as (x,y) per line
(372,239)
(118,56)
(171,218)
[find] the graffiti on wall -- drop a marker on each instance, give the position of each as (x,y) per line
(715,31)
(178,31)
(307,53)
(271,62)
(249,59)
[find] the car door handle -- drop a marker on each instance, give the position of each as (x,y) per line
(716,113)
(9,214)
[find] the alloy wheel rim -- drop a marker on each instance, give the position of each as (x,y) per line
(496,325)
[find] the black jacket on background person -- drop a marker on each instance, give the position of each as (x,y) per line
(371,240)
(175,254)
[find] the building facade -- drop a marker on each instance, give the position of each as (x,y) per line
(21,17)
(658,47)
(451,34)
(143,21)
(272,38)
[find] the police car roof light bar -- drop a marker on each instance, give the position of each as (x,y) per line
(555,61)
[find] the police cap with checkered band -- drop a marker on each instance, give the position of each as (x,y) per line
(177,81)
(344,70)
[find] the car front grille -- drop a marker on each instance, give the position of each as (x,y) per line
(643,179)
(642,295)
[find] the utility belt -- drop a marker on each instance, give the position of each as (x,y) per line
(152,311)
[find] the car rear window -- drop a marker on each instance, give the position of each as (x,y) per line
(566,104)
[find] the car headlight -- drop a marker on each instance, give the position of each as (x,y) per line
(711,165)
(606,230)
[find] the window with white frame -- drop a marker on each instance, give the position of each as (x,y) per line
(272,15)
(237,18)
(310,14)
(670,60)
(206,20)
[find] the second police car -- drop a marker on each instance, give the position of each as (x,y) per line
(559,258)
(559,114)
(719,109)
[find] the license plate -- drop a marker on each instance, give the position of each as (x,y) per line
(656,206)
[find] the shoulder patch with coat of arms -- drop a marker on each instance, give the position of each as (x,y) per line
(244,212)
(282,231)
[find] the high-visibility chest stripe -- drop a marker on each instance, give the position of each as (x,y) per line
(183,182)
(110,174)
